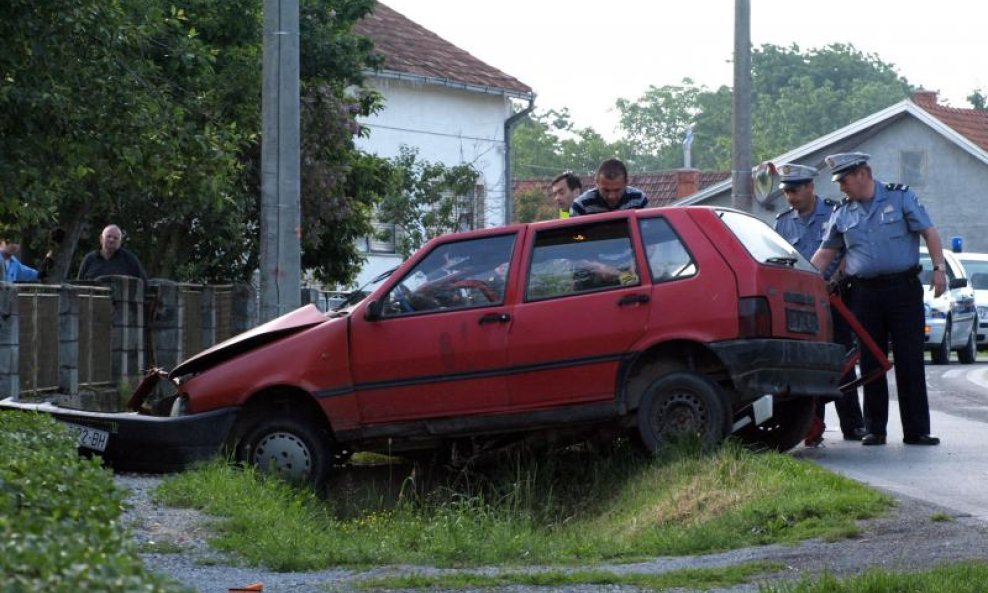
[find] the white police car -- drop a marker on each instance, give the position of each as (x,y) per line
(976,266)
(951,318)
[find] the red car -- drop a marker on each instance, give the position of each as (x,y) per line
(654,323)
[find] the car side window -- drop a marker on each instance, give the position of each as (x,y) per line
(583,258)
(456,275)
(668,258)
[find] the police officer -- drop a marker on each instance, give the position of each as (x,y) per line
(803,226)
(880,225)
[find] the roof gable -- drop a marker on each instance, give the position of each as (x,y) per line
(409,48)
(970,134)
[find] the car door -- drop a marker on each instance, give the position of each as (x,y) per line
(584,304)
(438,347)
(962,305)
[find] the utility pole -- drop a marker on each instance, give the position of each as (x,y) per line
(281,253)
(741,184)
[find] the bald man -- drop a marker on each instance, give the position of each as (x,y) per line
(111,259)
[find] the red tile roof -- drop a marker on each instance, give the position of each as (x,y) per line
(970,123)
(410,48)
(660,187)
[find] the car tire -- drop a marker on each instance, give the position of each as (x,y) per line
(941,352)
(295,448)
(790,421)
(969,353)
(682,406)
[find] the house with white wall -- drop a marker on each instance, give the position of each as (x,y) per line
(448,105)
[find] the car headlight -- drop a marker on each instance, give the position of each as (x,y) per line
(936,314)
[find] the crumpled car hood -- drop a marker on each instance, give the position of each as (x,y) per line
(290,323)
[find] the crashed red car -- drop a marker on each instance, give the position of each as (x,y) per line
(654,324)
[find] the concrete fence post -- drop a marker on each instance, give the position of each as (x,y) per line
(127,338)
(207,314)
(243,308)
(68,340)
(10,384)
(166,324)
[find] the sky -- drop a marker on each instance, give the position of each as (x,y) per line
(584,56)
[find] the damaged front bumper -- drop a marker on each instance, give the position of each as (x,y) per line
(129,441)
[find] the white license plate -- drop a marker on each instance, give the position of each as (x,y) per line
(90,438)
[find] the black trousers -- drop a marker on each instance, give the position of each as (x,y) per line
(847,405)
(892,310)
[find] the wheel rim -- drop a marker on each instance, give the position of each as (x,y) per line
(284,454)
(681,414)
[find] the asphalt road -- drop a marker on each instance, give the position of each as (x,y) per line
(954,474)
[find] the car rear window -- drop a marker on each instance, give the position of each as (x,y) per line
(762,242)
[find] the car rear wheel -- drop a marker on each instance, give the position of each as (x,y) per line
(295,448)
(682,406)
(788,425)
(941,353)
(969,353)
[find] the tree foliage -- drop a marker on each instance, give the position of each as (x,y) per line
(146,113)
(429,198)
(797,95)
(548,143)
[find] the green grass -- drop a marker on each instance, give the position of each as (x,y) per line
(968,577)
(564,509)
(705,578)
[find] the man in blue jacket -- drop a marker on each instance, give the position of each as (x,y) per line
(15,271)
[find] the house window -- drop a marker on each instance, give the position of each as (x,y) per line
(912,168)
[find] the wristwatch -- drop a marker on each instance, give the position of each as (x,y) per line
(940,268)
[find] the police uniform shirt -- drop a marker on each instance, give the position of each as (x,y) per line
(591,202)
(806,234)
(882,234)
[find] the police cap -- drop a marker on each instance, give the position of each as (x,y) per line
(795,175)
(843,163)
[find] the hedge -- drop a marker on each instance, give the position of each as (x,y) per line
(60,517)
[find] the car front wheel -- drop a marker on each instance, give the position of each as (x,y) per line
(290,446)
(682,406)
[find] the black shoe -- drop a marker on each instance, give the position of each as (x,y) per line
(855,435)
(923,439)
(873,439)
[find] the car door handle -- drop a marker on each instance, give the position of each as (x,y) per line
(495,318)
(632,299)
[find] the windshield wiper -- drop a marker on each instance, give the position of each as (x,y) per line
(786,261)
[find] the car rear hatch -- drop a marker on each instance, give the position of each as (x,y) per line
(780,293)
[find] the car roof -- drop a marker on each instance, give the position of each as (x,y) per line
(972,256)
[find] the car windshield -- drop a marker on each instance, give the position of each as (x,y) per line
(977,271)
(762,242)
(361,293)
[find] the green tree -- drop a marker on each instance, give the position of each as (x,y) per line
(532,205)
(428,199)
(978,100)
(147,113)
(548,143)
(797,96)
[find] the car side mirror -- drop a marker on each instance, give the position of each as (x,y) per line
(373,311)
(957,283)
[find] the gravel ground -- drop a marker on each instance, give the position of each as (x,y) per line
(905,539)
